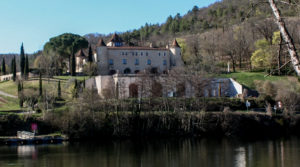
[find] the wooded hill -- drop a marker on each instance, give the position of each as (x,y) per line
(226,31)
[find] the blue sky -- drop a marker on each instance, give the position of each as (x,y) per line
(35,21)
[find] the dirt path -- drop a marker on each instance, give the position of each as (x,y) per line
(8,95)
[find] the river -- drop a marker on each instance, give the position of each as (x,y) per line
(157,153)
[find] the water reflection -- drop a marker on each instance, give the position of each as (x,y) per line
(240,158)
(27,151)
(169,152)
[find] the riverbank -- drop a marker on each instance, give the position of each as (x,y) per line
(99,125)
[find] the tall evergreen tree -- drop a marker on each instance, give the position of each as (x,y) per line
(20,95)
(73,66)
(75,89)
(26,70)
(22,60)
(14,68)
(3,67)
(90,57)
(58,90)
(40,85)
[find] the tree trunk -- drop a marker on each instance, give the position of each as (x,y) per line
(286,36)
(279,56)
(233,64)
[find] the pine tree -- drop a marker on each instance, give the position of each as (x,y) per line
(73,66)
(14,68)
(26,70)
(40,85)
(22,60)
(90,57)
(58,90)
(3,67)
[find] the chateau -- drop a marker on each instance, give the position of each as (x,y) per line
(119,70)
(114,57)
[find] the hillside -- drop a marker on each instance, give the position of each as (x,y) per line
(204,34)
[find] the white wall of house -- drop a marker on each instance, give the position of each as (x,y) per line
(226,87)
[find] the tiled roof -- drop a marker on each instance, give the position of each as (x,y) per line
(101,43)
(175,43)
(135,48)
(116,38)
(80,53)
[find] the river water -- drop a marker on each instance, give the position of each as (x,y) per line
(157,153)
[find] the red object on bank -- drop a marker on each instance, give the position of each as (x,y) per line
(34,127)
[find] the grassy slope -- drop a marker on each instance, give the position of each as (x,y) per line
(10,87)
(248,78)
(8,103)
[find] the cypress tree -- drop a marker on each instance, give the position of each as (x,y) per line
(84,83)
(40,85)
(20,94)
(22,60)
(58,90)
(14,69)
(26,70)
(75,90)
(73,65)
(3,67)
(90,57)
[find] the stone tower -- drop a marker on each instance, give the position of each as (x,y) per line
(175,56)
(101,57)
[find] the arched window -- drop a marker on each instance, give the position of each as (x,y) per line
(127,71)
(112,72)
(133,90)
(154,70)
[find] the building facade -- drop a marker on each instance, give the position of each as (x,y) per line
(116,58)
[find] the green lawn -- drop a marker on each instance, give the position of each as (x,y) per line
(80,78)
(8,103)
(9,87)
(248,78)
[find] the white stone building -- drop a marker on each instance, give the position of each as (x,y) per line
(117,58)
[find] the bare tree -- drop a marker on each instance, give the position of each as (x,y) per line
(286,36)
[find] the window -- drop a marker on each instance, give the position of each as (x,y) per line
(149,62)
(124,61)
(141,53)
(123,53)
(165,62)
(137,62)
(159,54)
(164,53)
(126,53)
(132,53)
(111,62)
(146,53)
(136,53)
